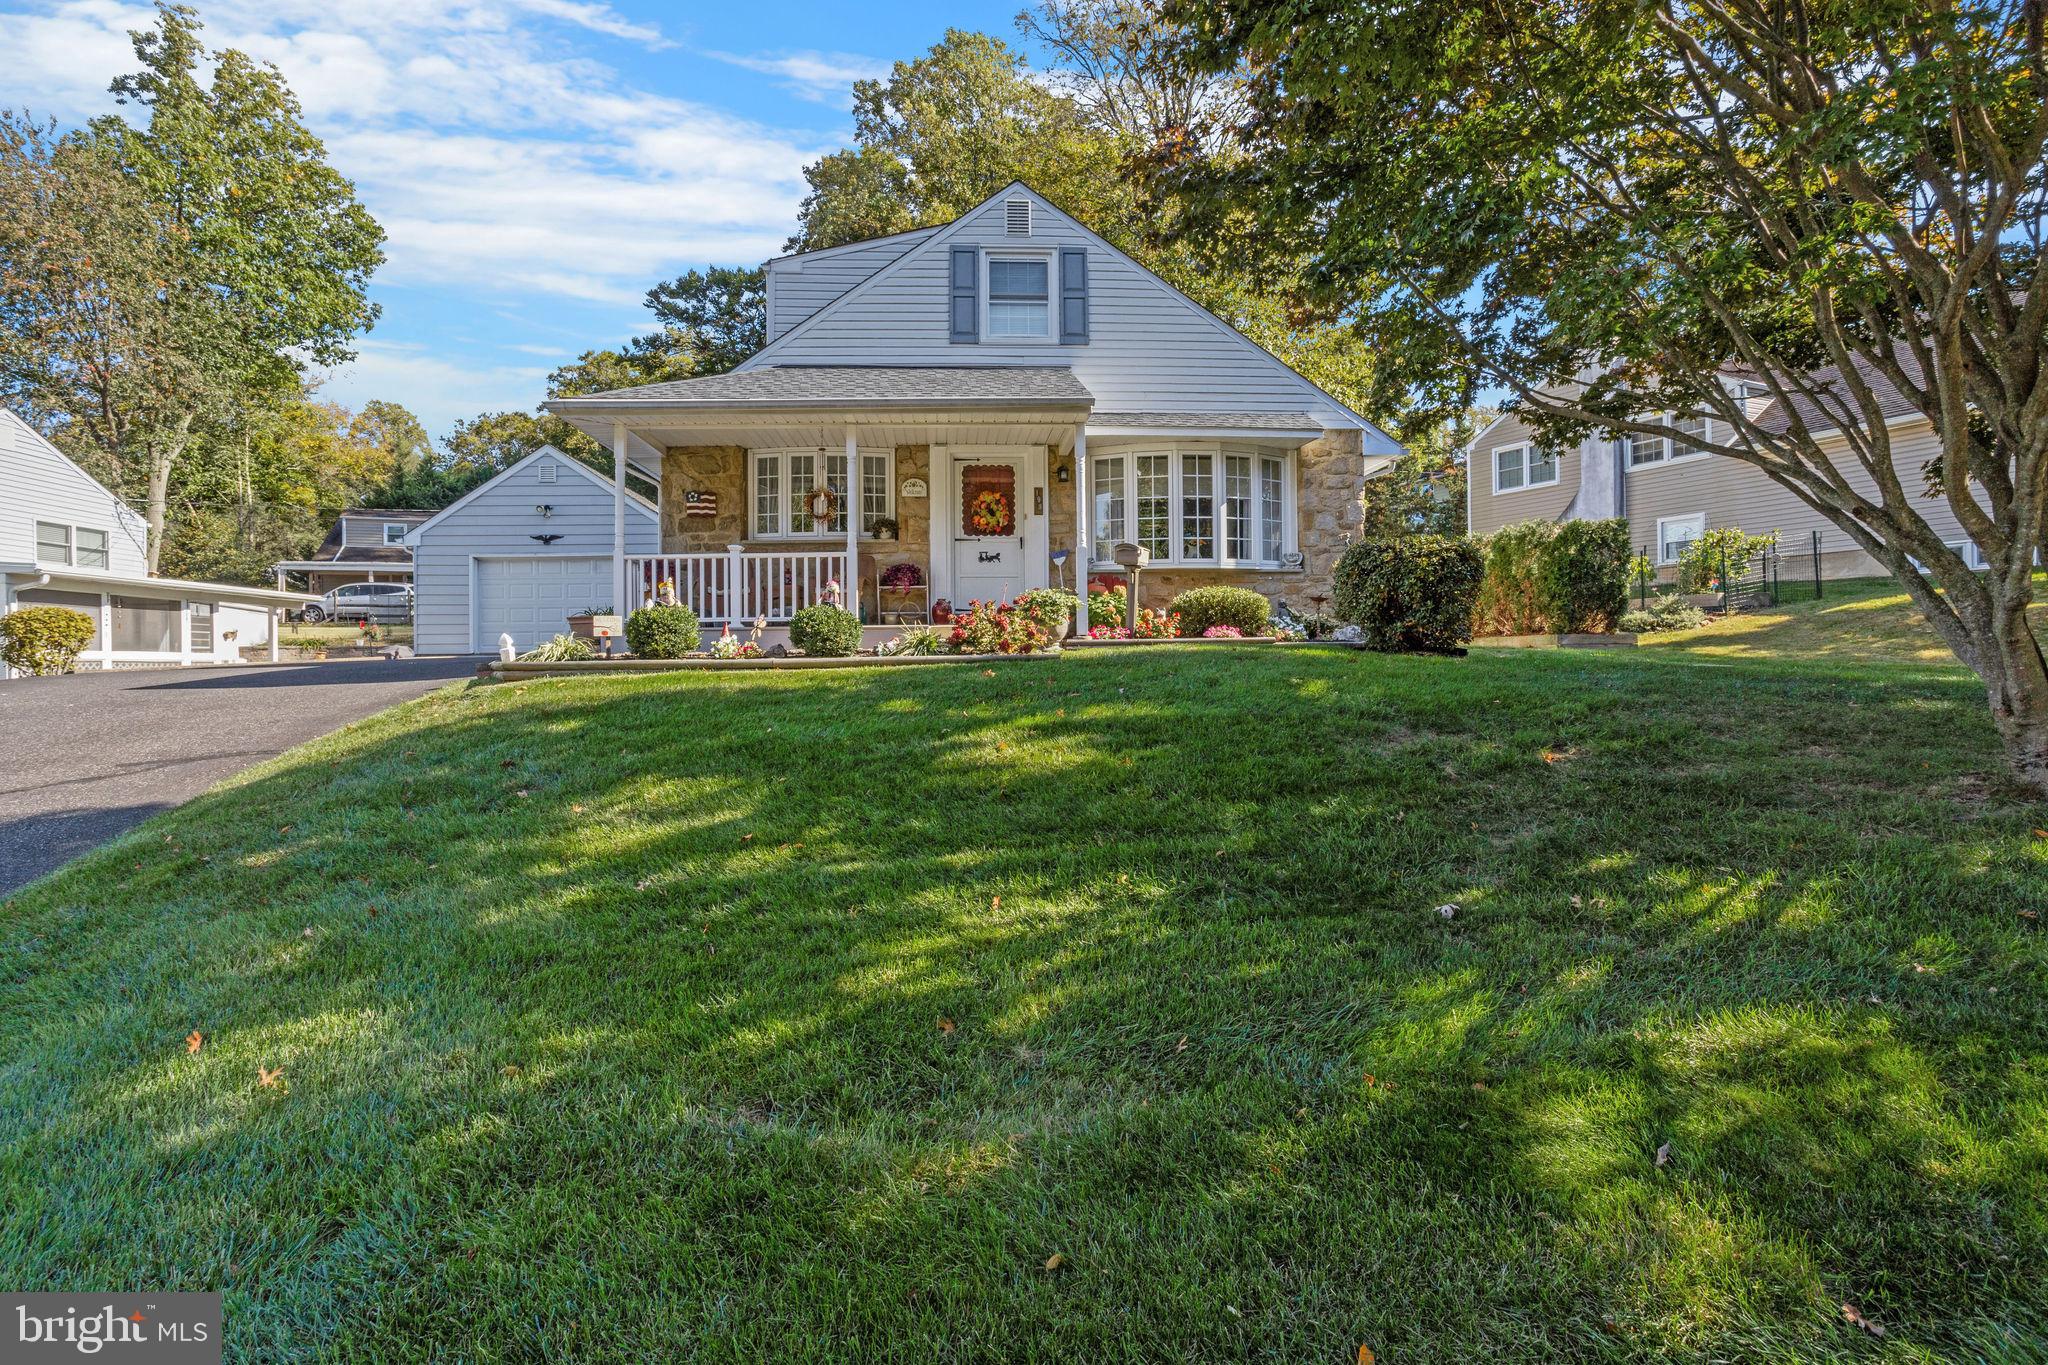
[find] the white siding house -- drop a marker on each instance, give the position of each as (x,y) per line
(67,541)
(517,555)
(798,286)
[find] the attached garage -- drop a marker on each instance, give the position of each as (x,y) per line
(520,554)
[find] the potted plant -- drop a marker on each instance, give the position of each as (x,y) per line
(585,624)
(883,528)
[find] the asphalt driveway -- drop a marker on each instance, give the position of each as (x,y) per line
(83,758)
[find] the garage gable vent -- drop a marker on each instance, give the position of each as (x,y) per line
(1017,217)
(547,471)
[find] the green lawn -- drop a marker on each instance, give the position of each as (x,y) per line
(809,1015)
(1855,619)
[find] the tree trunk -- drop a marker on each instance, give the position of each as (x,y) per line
(2017,684)
(161,459)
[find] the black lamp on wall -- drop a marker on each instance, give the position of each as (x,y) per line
(1064,473)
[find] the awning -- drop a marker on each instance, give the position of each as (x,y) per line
(33,575)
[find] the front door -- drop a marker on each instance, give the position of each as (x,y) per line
(988,534)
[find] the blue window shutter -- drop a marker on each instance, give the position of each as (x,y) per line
(1073,296)
(965,294)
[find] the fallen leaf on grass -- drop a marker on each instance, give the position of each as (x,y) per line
(1448,911)
(1854,1317)
(1182,1045)
(576,810)
(194,1041)
(947,1026)
(2030,914)
(1365,1355)
(1664,1155)
(269,1076)
(2041,834)
(995,902)
(1055,1261)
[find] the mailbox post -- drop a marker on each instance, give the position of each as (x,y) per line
(1132,559)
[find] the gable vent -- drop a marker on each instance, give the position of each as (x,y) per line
(546,469)
(1017,217)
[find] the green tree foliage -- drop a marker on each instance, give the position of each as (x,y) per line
(1653,194)
(1423,491)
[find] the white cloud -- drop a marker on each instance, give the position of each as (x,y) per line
(440,391)
(815,76)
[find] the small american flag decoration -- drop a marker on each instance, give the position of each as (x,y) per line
(700,502)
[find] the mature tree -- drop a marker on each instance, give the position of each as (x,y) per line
(1423,491)
(218,257)
(392,428)
(1118,60)
(1833,200)
(714,318)
(949,129)
(108,342)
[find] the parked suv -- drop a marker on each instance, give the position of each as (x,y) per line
(379,603)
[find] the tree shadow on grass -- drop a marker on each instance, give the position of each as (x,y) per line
(721,1012)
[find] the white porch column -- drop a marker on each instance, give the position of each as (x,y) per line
(852,522)
(276,629)
(1084,529)
(184,633)
(106,632)
(280,580)
(625,604)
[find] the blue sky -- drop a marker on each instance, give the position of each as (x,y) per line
(536,164)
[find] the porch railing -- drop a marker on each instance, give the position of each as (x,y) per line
(738,584)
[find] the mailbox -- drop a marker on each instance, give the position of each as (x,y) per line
(1132,559)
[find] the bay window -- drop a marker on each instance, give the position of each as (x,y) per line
(780,484)
(1190,505)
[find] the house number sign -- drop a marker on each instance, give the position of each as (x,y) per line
(914,488)
(700,502)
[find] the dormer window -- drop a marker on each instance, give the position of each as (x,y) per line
(394,533)
(1019,297)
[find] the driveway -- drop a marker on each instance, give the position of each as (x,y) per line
(83,758)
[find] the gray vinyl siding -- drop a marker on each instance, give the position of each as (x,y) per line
(1489,510)
(37,483)
(1730,493)
(501,520)
(1148,348)
(799,286)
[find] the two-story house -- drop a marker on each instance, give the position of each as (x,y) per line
(1673,493)
(365,545)
(1011,397)
(65,540)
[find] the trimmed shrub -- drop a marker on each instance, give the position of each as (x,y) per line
(662,632)
(1582,575)
(1509,603)
(1201,608)
(44,640)
(825,631)
(1665,612)
(1411,592)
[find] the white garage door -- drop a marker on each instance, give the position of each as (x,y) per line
(530,597)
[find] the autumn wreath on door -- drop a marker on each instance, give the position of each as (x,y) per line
(820,503)
(988,500)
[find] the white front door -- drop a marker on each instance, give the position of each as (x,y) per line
(530,597)
(989,523)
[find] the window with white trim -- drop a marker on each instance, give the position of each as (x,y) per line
(1521,466)
(782,481)
(1018,300)
(92,548)
(1674,534)
(394,533)
(53,543)
(1215,506)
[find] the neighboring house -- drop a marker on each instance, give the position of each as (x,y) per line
(1672,493)
(515,556)
(365,545)
(983,380)
(67,541)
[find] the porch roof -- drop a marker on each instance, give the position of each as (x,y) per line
(838,386)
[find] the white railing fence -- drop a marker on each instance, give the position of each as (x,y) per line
(738,585)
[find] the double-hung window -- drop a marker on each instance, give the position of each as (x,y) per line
(53,543)
(1675,533)
(781,483)
(1019,296)
(1193,506)
(92,548)
(1526,465)
(394,533)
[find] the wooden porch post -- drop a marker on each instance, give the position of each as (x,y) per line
(852,523)
(624,606)
(1084,529)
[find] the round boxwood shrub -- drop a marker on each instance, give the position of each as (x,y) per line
(1411,592)
(661,632)
(825,631)
(1201,608)
(42,640)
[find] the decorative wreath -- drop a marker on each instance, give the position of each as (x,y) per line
(990,513)
(821,503)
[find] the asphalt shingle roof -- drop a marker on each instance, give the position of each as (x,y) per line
(817,385)
(1207,421)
